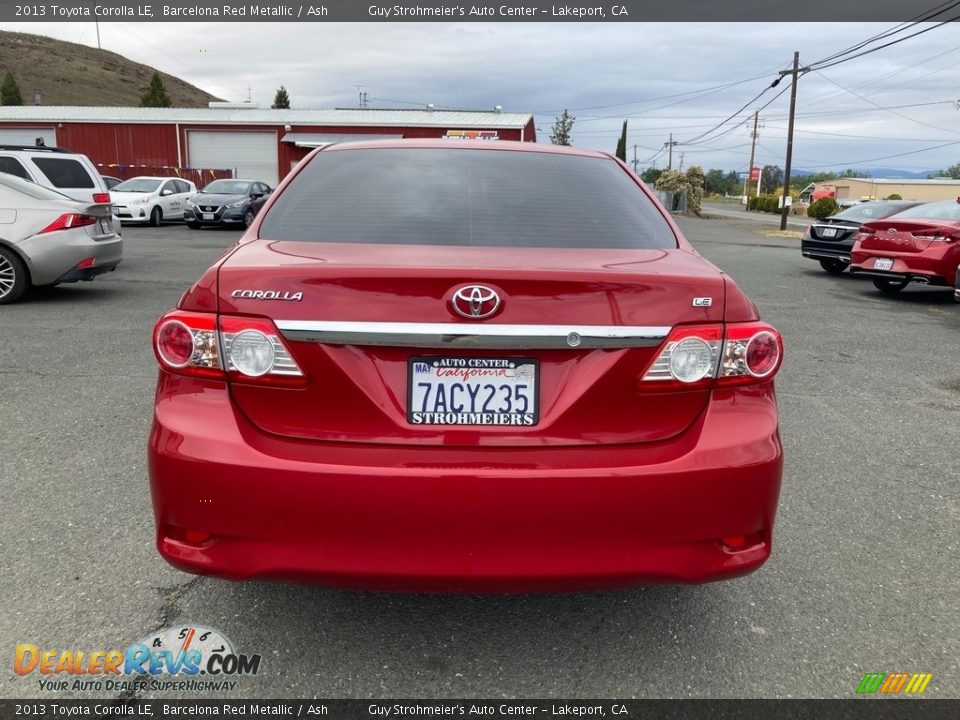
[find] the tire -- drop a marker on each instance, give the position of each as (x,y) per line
(193,226)
(890,287)
(834,267)
(248,217)
(156,216)
(14,280)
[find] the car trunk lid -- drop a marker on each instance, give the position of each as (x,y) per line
(359,319)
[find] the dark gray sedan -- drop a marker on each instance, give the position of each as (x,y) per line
(227,202)
(47,238)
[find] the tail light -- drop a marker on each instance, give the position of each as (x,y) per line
(242,349)
(102,198)
(697,357)
(69,220)
(938,235)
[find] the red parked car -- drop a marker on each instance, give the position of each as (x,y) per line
(920,245)
(463,366)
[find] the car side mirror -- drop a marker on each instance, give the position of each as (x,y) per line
(256,195)
(166,192)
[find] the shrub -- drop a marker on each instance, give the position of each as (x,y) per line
(895,196)
(824,207)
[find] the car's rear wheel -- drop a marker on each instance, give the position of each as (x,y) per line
(834,267)
(890,287)
(156,217)
(248,218)
(13,276)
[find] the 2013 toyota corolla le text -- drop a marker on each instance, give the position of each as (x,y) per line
(457,367)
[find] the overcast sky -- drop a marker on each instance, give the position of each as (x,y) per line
(604,73)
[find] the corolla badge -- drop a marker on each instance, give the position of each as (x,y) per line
(266,295)
(475,302)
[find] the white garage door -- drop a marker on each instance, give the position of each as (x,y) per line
(27,136)
(251,155)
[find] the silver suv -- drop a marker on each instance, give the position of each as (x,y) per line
(55,168)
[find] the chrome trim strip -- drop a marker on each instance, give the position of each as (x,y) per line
(462,335)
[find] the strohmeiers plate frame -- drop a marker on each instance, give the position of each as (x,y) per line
(518,361)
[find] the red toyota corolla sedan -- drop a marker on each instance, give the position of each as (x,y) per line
(460,366)
(920,245)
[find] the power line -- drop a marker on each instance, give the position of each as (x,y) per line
(890,32)
(848,58)
(881,107)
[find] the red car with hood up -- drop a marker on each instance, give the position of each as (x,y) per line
(462,366)
(919,245)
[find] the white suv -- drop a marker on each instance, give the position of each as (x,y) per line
(58,169)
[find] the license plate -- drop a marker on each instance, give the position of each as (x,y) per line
(208,216)
(473,391)
(828,232)
(883,264)
(106,226)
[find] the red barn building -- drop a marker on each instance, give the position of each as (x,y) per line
(239,137)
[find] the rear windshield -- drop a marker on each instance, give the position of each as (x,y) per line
(949,210)
(867,211)
(63,172)
(487,198)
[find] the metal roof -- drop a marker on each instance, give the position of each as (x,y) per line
(252,116)
(894,181)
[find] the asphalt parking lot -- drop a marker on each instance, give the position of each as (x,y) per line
(864,576)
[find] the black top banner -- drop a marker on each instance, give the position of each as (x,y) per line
(813,11)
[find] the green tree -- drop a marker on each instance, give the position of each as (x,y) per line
(651,175)
(771,176)
(156,94)
(10,91)
(715,182)
(562,128)
(953,171)
(824,207)
(281,101)
(622,143)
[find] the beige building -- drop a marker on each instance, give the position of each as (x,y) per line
(879,188)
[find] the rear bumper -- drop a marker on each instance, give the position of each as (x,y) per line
(934,266)
(823,250)
(53,257)
(459,519)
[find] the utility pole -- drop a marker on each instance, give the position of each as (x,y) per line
(98,36)
(634,159)
(681,162)
(670,145)
(793,104)
(753,152)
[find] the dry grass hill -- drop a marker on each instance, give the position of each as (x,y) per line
(71,74)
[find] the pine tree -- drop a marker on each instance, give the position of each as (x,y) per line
(622,143)
(10,91)
(281,101)
(562,128)
(156,94)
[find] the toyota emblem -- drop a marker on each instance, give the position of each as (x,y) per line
(475,302)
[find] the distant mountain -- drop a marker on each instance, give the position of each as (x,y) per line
(70,74)
(885,172)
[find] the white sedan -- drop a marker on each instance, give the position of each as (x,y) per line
(151,199)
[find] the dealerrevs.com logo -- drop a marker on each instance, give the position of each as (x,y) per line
(190,658)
